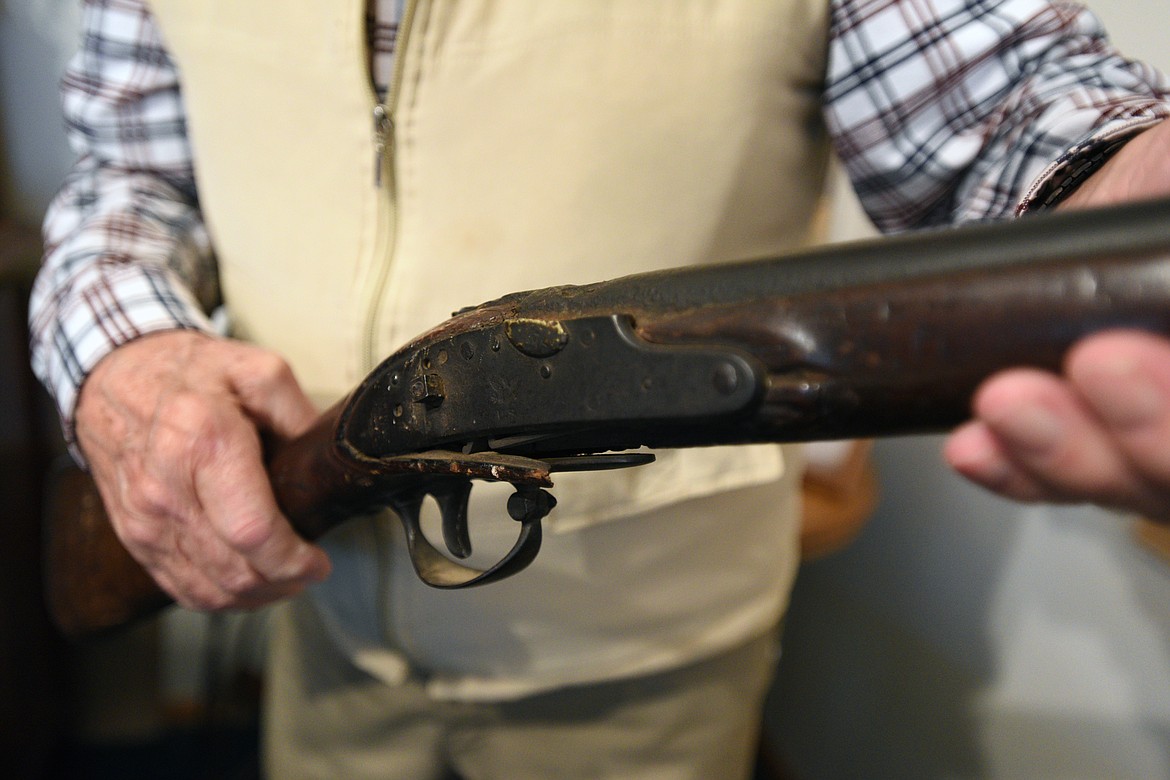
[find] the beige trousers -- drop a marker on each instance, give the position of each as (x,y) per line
(324,718)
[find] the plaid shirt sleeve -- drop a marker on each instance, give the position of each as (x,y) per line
(126,250)
(945,111)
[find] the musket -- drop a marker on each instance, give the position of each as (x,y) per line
(868,339)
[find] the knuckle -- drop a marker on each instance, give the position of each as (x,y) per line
(272,368)
(185,409)
(150,497)
(149,506)
(141,534)
(264,370)
(186,421)
(248,533)
(193,429)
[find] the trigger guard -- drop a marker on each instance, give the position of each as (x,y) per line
(439,571)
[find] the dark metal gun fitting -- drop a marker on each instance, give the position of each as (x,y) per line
(536,338)
(427,390)
(529,504)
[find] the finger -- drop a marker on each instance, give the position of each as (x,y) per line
(191,587)
(1052,438)
(974,452)
(224,522)
(159,411)
(1124,378)
(196,582)
(154,525)
(235,494)
(194,589)
(268,391)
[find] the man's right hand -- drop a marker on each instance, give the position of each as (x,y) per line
(171,425)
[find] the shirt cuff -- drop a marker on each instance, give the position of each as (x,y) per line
(1062,177)
(123,303)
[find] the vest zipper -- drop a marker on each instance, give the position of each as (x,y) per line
(383,129)
(384,182)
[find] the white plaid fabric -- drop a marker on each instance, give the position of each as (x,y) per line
(950,110)
(941,110)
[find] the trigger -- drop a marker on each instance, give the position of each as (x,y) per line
(452,501)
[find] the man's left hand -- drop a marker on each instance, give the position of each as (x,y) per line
(1100,430)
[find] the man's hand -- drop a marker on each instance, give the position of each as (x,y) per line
(171,426)
(1100,431)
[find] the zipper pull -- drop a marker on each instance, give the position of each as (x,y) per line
(382,128)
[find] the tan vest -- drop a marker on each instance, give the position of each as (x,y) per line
(532,143)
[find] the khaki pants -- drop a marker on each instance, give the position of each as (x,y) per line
(327,719)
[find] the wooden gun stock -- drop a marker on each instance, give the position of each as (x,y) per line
(874,338)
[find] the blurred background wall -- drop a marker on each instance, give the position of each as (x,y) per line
(960,636)
(36,37)
(35,680)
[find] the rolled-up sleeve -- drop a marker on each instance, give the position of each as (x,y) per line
(126,250)
(948,111)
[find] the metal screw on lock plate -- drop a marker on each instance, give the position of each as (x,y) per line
(427,389)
